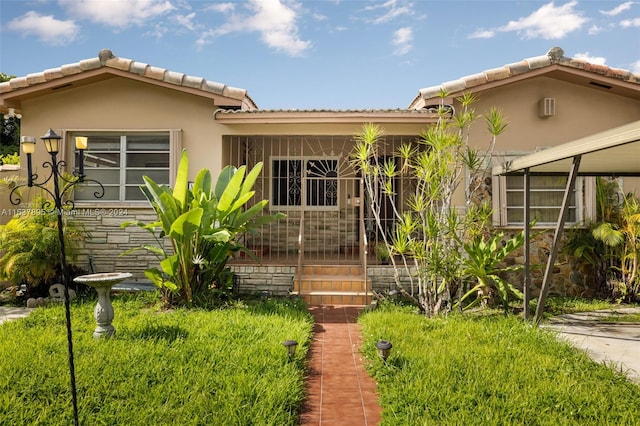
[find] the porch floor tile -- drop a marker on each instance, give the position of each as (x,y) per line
(339,390)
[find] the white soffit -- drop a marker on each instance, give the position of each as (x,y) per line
(612,152)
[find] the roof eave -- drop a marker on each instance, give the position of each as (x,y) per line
(337,117)
(603,141)
(621,81)
(15,97)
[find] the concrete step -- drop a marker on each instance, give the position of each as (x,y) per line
(336,298)
(313,270)
(333,285)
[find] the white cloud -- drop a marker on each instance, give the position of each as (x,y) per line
(483,34)
(186,21)
(402,39)
(274,20)
(221,7)
(630,23)
(47,28)
(594,29)
(618,9)
(158,31)
(635,67)
(391,9)
(118,13)
(549,22)
(598,60)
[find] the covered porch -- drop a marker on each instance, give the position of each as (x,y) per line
(324,250)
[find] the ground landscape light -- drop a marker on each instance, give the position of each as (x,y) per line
(384,349)
(291,346)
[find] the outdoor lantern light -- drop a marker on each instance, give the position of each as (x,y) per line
(28,147)
(291,346)
(384,349)
(81,145)
(61,185)
(51,142)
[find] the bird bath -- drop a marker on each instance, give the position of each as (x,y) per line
(103,312)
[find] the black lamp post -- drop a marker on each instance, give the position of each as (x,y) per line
(52,144)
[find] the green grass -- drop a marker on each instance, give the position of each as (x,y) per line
(489,370)
(559,305)
(181,367)
(621,318)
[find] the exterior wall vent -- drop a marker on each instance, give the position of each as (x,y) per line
(547,107)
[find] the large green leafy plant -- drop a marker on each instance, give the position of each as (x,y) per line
(202,223)
(611,244)
(484,264)
(30,248)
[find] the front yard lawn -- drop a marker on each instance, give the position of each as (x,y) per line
(181,367)
(489,370)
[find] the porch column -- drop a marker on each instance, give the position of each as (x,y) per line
(526,288)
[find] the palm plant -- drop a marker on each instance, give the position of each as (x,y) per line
(623,238)
(29,245)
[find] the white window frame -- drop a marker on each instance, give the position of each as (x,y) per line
(175,149)
(584,202)
(303,195)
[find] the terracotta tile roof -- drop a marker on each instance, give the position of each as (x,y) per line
(106,59)
(555,57)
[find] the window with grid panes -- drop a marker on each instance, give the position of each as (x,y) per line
(119,160)
(546,194)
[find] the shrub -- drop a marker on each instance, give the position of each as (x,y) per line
(31,249)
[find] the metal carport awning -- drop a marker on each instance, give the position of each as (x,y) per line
(614,152)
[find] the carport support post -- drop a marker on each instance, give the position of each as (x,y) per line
(526,287)
(562,218)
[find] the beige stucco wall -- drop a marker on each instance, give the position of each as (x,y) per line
(580,111)
(118,104)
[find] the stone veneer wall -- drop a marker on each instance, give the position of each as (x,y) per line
(276,280)
(571,278)
(382,278)
(108,241)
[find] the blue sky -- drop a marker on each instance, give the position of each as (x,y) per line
(332,54)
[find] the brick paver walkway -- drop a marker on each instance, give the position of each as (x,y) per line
(339,391)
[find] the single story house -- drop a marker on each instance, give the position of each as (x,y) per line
(138,118)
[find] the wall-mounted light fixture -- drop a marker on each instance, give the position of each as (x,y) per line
(12,114)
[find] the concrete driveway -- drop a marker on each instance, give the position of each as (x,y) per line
(615,343)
